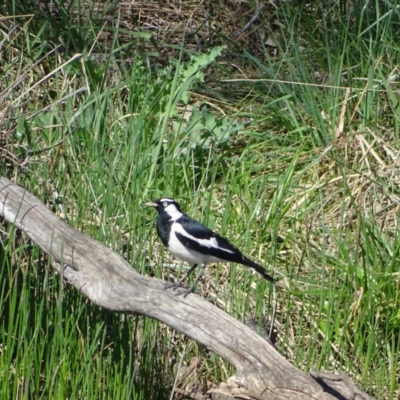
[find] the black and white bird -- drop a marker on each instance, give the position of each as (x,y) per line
(191,241)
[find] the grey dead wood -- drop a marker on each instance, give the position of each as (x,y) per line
(109,281)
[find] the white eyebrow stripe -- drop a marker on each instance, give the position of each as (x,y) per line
(212,242)
(167,199)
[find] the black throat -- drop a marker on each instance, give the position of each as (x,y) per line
(164,227)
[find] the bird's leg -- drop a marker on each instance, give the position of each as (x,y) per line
(199,274)
(174,286)
(191,289)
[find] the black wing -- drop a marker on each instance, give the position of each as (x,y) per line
(225,251)
(195,228)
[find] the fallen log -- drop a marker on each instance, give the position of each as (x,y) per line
(109,281)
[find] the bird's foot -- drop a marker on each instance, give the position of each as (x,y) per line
(172,286)
(185,291)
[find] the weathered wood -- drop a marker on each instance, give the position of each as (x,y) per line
(109,281)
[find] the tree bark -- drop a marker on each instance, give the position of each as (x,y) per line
(110,282)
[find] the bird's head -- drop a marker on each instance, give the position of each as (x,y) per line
(166,205)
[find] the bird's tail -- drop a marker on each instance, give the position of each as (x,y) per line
(248,263)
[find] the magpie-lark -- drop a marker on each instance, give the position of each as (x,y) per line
(191,241)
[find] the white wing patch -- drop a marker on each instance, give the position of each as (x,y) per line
(178,250)
(212,242)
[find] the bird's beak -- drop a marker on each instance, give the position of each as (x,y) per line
(150,204)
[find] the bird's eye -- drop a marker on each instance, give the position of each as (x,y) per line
(165,204)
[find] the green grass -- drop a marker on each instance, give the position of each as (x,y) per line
(293,157)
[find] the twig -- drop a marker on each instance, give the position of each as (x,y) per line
(253,18)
